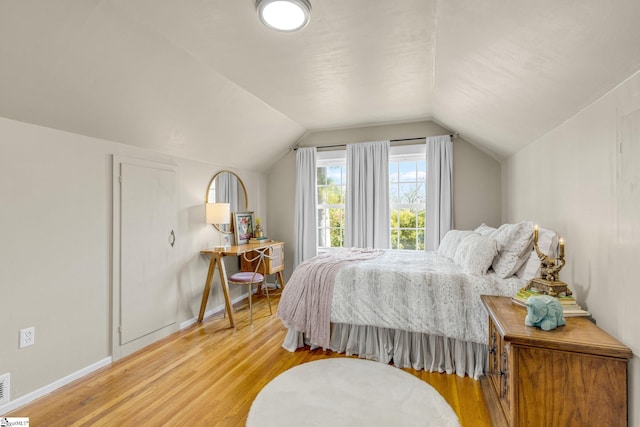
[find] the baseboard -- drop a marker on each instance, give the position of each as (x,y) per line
(30,397)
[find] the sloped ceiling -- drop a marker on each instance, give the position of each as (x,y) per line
(203,79)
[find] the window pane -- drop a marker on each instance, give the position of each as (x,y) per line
(334,175)
(408,171)
(420,238)
(322,195)
(321,176)
(334,195)
(421,218)
(322,241)
(322,218)
(407,218)
(408,239)
(393,172)
(394,193)
(395,218)
(336,237)
(422,171)
(394,239)
(336,217)
(408,193)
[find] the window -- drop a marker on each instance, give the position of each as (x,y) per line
(407,201)
(407,196)
(331,187)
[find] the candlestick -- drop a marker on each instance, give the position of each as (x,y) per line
(535,232)
(561,247)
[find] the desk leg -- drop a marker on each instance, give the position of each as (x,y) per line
(207,288)
(281,279)
(225,290)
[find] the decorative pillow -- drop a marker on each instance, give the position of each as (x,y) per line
(485,229)
(514,246)
(450,242)
(548,244)
(475,253)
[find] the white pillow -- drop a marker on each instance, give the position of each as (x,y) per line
(450,242)
(548,244)
(475,253)
(515,242)
(485,229)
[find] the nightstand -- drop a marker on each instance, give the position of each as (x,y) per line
(572,375)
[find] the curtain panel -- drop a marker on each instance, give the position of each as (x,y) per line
(367,196)
(439,203)
(227,191)
(305,206)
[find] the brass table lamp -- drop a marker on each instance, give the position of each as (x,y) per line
(548,282)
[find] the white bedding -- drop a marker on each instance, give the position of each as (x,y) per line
(415,309)
(417,291)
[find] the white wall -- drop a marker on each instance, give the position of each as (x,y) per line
(55,256)
(583,179)
(476,178)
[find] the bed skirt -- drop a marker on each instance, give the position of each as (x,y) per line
(432,353)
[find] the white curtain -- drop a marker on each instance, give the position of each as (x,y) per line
(367,220)
(227,191)
(305,205)
(439,190)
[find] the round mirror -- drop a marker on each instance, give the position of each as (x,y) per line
(227,187)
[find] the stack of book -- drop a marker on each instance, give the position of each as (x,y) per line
(259,240)
(570,307)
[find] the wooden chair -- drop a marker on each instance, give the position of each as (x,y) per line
(250,278)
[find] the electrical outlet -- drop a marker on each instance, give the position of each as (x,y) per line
(5,388)
(27,337)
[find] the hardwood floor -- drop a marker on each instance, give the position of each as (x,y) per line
(207,375)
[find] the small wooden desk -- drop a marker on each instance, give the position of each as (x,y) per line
(216,260)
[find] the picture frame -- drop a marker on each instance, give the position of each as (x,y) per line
(243,224)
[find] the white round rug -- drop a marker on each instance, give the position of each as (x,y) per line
(349,392)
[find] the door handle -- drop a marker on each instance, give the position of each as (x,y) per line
(172,238)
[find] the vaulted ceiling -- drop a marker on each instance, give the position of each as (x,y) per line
(203,79)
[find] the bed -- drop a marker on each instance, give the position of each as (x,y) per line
(413,308)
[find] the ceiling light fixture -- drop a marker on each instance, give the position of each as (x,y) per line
(284,15)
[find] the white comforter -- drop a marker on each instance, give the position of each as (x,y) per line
(416,291)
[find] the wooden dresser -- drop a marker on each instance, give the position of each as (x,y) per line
(573,375)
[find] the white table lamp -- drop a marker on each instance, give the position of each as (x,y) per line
(218,214)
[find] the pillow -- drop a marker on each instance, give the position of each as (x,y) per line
(515,242)
(475,253)
(548,244)
(485,230)
(450,242)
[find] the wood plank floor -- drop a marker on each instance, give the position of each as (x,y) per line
(207,375)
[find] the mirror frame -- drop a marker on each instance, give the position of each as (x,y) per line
(244,190)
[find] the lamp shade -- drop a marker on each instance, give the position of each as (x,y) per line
(218,213)
(284,15)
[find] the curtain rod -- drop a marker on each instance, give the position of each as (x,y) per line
(452,135)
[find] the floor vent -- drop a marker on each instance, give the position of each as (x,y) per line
(4,389)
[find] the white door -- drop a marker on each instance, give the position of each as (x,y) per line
(145,287)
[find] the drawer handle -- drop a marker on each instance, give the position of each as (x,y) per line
(503,374)
(493,351)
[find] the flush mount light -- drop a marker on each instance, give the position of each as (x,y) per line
(284,15)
